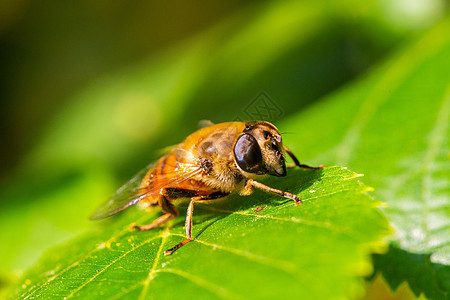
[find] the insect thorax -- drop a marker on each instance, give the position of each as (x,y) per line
(216,147)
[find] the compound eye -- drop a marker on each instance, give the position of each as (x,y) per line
(248,154)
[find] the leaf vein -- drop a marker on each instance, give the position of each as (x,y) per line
(201,282)
(151,274)
(107,266)
(435,140)
(264,260)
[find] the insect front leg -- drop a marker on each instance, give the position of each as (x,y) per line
(297,163)
(167,207)
(250,183)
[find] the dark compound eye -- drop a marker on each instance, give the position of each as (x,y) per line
(248,154)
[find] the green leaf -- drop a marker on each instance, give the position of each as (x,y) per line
(338,130)
(394,127)
(123,120)
(58,214)
(114,126)
(311,251)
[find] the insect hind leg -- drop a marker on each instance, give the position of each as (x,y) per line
(167,207)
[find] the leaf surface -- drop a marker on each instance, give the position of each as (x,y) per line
(260,246)
(117,124)
(394,127)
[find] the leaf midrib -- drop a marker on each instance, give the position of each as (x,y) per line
(435,139)
(282,265)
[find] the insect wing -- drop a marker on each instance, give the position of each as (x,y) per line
(204,124)
(132,192)
(127,195)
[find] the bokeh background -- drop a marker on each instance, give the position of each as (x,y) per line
(91,91)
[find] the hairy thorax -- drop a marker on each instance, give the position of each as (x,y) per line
(216,146)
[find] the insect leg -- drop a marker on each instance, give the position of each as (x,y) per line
(252,183)
(188,225)
(167,207)
(297,163)
(189,213)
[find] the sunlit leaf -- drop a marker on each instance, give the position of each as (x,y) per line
(260,246)
(394,127)
(118,123)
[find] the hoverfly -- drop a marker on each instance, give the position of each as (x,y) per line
(211,163)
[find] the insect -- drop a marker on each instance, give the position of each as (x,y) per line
(211,163)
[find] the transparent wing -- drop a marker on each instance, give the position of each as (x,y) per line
(125,196)
(131,192)
(204,123)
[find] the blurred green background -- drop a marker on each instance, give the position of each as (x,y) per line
(91,91)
